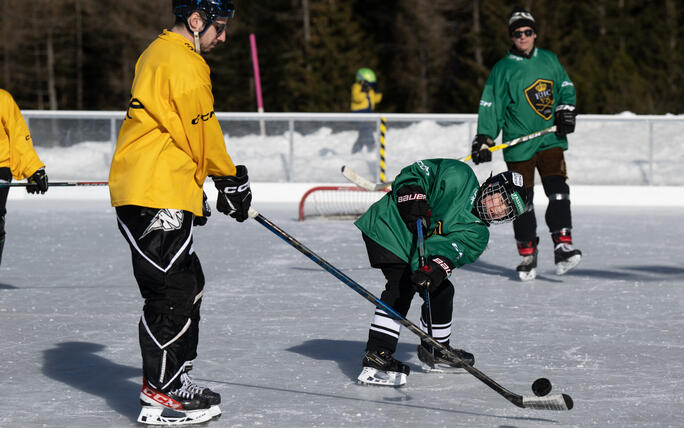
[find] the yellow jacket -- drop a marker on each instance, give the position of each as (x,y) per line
(364,102)
(170,140)
(16,146)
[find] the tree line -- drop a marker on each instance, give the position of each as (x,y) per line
(429,55)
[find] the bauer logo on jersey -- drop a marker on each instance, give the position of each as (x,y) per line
(166,220)
(540,96)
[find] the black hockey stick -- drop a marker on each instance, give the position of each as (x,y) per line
(426,295)
(57,183)
(548,402)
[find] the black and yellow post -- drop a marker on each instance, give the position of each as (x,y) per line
(383,166)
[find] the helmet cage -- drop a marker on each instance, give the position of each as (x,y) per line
(499,201)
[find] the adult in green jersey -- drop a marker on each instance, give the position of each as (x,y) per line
(454,211)
(528,91)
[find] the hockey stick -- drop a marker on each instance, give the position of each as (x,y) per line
(515,141)
(364,183)
(548,402)
(421,265)
(58,183)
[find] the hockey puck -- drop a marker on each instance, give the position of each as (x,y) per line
(541,387)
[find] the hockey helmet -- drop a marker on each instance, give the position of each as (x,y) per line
(210,9)
(501,198)
(365,75)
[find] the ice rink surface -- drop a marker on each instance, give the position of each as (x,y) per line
(282,340)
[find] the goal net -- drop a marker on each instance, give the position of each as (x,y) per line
(337,202)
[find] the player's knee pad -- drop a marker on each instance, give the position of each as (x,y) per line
(556,187)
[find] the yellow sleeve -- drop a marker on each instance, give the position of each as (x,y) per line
(359,99)
(202,138)
(23,160)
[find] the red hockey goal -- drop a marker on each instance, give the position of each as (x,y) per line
(337,202)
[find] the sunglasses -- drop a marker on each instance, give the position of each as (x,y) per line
(519,34)
(220,27)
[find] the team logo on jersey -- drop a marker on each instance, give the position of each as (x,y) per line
(540,96)
(165,220)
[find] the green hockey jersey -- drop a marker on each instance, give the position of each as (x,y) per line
(520,97)
(455,232)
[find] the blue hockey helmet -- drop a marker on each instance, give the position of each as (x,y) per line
(210,9)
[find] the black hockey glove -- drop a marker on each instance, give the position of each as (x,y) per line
(430,276)
(480,149)
(235,195)
(565,120)
(206,212)
(412,205)
(38,182)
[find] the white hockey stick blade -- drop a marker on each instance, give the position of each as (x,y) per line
(371,376)
(548,402)
(442,369)
(152,415)
(362,182)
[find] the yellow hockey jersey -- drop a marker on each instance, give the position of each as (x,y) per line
(170,140)
(16,146)
(364,102)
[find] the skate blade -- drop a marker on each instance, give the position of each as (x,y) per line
(563,267)
(371,376)
(154,415)
(527,276)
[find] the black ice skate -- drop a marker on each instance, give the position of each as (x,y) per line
(213,398)
(437,362)
(182,406)
(565,256)
(527,269)
(380,368)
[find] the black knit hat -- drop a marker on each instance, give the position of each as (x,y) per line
(520,18)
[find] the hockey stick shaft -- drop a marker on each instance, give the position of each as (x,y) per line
(58,184)
(364,183)
(551,402)
(515,141)
(421,265)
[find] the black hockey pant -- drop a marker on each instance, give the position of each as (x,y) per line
(398,294)
(5,176)
(171,281)
(384,330)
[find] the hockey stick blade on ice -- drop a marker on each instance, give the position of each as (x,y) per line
(549,402)
(362,182)
(58,184)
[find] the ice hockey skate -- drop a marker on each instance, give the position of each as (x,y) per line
(182,406)
(436,362)
(380,368)
(527,269)
(566,258)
